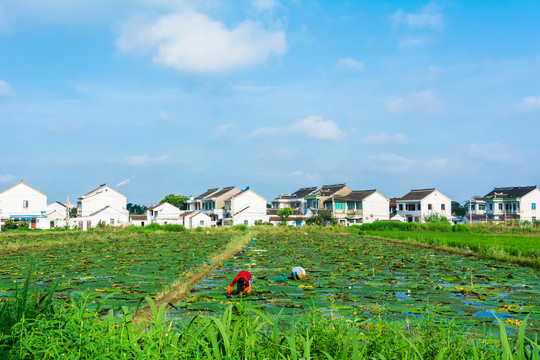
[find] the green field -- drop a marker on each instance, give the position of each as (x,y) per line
(363,296)
(121,268)
(359,277)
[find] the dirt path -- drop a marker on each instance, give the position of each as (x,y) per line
(180,290)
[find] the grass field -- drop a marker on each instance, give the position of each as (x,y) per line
(364,298)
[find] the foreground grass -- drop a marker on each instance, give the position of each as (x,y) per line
(32,329)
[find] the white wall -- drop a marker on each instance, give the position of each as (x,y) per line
(525,207)
(164,214)
(12,201)
(436,199)
(248,206)
(199,219)
(375,207)
(103,197)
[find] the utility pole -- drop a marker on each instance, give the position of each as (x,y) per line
(67,209)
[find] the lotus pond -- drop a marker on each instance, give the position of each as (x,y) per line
(349,275)
(123,269)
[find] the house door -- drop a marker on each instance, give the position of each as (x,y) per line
(33,224)
(80,225)
(88,224)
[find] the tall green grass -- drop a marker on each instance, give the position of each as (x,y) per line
(77,330)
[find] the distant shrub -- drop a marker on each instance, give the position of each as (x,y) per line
(173,228)
(241,227)
(435,218)
(152,227)
(198,229)
(461,228)
(439,226)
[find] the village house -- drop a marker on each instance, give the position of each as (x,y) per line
(314,201)
(22,202)
(138,220)
(293,201)
(212,203)
(103,205)
(506,203)
(357,207)
(194,219)
(417,204)
(245,207)
(164,213)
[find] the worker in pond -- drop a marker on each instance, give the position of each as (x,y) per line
(298,273)
(243,284)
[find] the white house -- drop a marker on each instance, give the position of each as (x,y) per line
(506,203)
(212,203)
(296,219)
(138,220)
(105,205)
(246,207)
(164,213)
(23,202)
(293,201)
(194,219)
(357,207)
(417,204)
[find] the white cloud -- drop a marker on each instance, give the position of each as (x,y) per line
(351,63)
(395,164)
(6,178)
(193,42)
(384,139)
(429,16)
(123,182)
(145,160)
(264,5)
(530,103)
(312,127)
(221,130)
(413,41)
(425,101)
(5,89)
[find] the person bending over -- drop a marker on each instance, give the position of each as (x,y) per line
(243,284)
(298,273)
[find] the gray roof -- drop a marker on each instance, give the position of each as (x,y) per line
(328,190)
(417,194)
(300,193)
(206,193)
(353,196)
(221,192)
(139,217)
(510,192)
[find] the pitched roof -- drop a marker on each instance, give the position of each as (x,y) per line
(153,207)
(354,196)
(95,191)
(300,193)
(328,190)
(417,194)
(187,213)
(510,192)
(108,207)
(19,183)
(222,191)
(206,193)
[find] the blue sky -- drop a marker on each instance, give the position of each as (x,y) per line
(159,97)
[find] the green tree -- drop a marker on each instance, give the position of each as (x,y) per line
(176,200)
(458,209)
(284,214)
(323,217)
(136,209)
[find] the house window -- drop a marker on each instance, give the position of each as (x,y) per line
(246,222)
(202,223)
(443,206)
(358,205)
(500,206)
(429,206)
(350,206)
(25,204)
(481,206)
(400,207)
(328,206)
(490,206)
(112,221)
(533,206)
(507,207)
(340,206)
